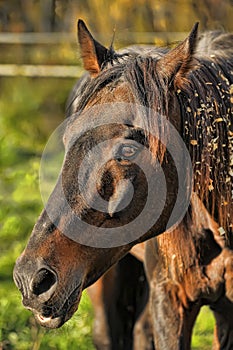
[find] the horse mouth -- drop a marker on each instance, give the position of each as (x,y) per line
(56,320)
(50,322)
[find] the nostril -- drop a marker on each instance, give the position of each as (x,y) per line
(43,281)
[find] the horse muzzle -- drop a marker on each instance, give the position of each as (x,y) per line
(38,284)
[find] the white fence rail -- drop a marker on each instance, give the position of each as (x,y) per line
(27,70)
(59,38)
(40,70)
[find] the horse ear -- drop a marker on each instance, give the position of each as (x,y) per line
(92,52)
(176,64)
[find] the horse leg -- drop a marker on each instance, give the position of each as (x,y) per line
(143,333)
(119,298)
(223,306)
(100,335)
(172,318)
(130,298)
(223,312)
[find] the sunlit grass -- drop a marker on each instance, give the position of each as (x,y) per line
(203,331)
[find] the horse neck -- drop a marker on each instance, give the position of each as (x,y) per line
(184,247)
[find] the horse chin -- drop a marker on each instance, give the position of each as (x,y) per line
(56,321)
(49,322)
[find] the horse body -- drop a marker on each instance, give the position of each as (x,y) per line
(190,264)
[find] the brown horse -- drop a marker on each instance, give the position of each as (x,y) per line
(140,100)
(118,299)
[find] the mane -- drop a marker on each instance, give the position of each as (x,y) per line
(207,114)
(205,107)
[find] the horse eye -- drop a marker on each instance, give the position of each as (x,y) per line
(127,151)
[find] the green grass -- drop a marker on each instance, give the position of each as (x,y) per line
(203,331)
(19,331)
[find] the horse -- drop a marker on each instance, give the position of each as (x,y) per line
(164,120)
(119,299)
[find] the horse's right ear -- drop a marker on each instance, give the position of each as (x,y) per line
(92,52)
(176,64)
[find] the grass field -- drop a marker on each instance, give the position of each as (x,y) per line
(29,110)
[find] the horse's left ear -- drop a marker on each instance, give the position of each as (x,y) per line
(92,52)
(176,64)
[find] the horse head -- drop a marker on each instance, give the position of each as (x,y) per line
(124,171)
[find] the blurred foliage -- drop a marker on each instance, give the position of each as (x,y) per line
(138,21)
(103,15)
